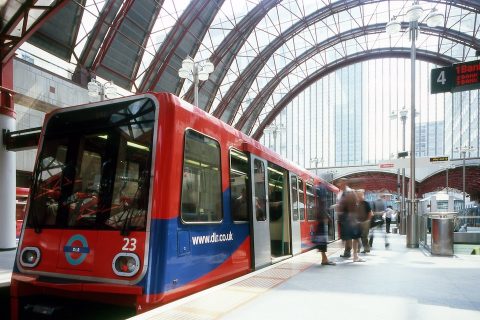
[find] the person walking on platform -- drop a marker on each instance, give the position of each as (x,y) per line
(344,190)
(388,218)
(321,235)
(364,215)
(349,227)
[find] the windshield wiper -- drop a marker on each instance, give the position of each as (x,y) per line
(125,231)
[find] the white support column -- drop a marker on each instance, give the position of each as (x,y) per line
(7,188)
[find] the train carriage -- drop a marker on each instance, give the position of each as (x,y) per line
(142,200)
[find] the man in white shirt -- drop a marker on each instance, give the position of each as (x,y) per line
(389,213)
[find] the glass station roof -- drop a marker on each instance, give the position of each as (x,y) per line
(262,50)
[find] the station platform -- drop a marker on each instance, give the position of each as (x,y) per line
(393,283)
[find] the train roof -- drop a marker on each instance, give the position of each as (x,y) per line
(250,144)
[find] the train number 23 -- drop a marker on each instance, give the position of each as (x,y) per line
(130,244)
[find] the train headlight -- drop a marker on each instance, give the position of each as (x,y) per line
(30,257)
(126,264)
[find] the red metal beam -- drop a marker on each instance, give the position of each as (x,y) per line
(8,49)
(6,92)
(111,33)
(161,57)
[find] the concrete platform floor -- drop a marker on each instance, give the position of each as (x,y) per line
(394,283)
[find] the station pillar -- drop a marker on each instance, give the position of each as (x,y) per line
(7,160)
(412,224)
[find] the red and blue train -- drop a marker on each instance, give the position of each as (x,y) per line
(142,200)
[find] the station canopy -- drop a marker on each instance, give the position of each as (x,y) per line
(265,52)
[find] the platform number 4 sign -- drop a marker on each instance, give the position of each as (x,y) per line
(442,80)
(441,77)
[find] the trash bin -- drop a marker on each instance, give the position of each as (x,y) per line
(442,233)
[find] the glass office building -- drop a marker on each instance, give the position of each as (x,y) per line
(344,119)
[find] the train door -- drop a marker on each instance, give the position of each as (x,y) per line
(295,214)
(260,213)
(279,212)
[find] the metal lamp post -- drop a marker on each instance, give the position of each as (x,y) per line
(463,150)
(434,18)
(275,129)
(316,161)
(198,70)
(332,172)
(447,167)
(402,114)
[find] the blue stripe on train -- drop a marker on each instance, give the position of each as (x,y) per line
(181,253)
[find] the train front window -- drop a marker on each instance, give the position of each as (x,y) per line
(93,171)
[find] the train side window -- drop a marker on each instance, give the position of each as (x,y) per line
(276,191)
(301,197)
(294,193)
(310,203)
(260,196)
(201,181)
(239,185)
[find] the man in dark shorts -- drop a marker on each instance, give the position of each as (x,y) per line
(349,227)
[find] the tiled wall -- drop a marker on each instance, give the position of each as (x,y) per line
(40,84)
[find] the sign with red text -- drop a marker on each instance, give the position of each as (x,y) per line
(420,162)
(458,77)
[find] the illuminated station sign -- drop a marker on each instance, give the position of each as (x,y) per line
(458,77)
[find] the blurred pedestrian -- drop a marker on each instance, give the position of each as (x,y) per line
(364,215)
(388,218)
(349,226)
(321,234)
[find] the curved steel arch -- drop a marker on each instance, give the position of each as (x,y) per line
(225,54)
(246,121)
(380,53)
(230,103)
(182,40)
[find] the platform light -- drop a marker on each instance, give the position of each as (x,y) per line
(103,91)
(198,70)
(275,129)
(414,12)
(393,26)
(434,18)
(188,64)
(183,73)
(208,67)
(93,89)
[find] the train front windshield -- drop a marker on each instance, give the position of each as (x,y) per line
(93,171)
